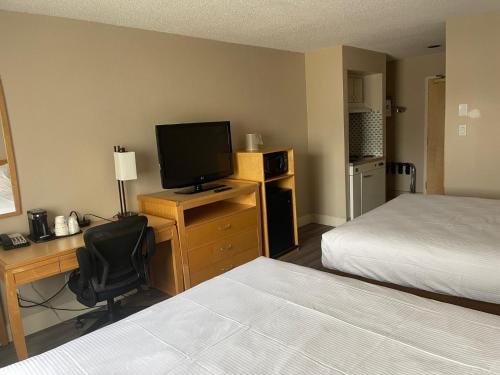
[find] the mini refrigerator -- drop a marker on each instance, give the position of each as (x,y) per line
(279,220)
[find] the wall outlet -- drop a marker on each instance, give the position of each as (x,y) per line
(462,130)
(462,110)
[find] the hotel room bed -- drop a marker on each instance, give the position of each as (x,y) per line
(271,317)
(442,244)
(6,197)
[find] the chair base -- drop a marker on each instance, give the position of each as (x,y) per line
(113,312)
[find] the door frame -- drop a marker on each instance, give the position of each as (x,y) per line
(426,114)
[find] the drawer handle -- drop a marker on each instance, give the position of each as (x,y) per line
(225,269)
(226,248)
(225,226)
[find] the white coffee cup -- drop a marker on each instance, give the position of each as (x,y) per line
(61,227)
(60,220)
(62,230)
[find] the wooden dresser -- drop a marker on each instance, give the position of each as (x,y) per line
(217,231)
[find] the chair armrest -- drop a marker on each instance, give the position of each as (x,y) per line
(150,243)
(150,251)
(84,262)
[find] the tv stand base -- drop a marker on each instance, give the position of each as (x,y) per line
(199,188)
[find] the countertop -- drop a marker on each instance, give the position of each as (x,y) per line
(366,160)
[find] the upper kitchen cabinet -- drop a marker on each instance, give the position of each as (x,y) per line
(364,92)
(355,89)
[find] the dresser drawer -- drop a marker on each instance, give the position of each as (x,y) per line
(204,234)
(37,271)
(227,247)
(223,266)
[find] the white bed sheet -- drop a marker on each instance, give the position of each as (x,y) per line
(271,317)
(443,244)
(6,196)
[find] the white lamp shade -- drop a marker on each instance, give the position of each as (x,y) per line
(125,166)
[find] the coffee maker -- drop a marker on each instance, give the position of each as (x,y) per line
(39,227)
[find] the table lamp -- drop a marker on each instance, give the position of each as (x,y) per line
(125,170)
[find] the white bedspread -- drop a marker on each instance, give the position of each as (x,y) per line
(442,244)
(6,196)
(271,317)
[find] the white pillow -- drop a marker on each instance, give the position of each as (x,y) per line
(5,171)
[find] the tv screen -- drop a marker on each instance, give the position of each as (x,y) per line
(192,154)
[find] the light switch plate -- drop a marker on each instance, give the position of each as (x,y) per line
(462,130)
(462,110)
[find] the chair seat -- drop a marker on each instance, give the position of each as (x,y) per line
(89,299)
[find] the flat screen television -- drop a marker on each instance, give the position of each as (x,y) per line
(194,154)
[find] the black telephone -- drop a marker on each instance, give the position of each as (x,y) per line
(13,241)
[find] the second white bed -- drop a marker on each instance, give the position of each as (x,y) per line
(271,317)
(442,244)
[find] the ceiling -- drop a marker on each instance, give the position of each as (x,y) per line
(399,28)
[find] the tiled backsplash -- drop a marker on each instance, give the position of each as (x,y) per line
(366,134)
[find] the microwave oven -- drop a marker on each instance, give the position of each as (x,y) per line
(275,164)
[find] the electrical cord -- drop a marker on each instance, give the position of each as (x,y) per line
(47,300)
(44,303)
(35,304)
(42,297)
(99,217)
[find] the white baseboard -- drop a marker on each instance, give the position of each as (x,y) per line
(305,219)
(329,220)
(320,219)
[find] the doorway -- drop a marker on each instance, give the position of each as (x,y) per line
(436,91)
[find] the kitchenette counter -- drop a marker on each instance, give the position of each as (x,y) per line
(366,160)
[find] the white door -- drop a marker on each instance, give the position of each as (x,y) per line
(372,189)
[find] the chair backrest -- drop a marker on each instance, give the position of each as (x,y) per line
(115,250)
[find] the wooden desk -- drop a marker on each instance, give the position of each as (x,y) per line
(42,260)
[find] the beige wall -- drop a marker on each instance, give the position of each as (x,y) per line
(74,89)
(328,124)
(406,86)
(325,116)
(473,77)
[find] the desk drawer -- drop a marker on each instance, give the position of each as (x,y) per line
(68,262)
(227,247)
(37,271)
(223,266)
(164,234)
(204,234)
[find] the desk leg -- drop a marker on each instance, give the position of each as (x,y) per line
(176,259)
(16,324)
(4,340)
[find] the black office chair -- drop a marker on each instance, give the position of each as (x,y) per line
(113,262)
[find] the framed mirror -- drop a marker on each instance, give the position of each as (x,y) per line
(10,203)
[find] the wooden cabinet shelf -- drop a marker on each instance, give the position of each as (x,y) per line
(249,166)
(281,177)
(213,211)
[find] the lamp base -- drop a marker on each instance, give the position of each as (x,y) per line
(125,215)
